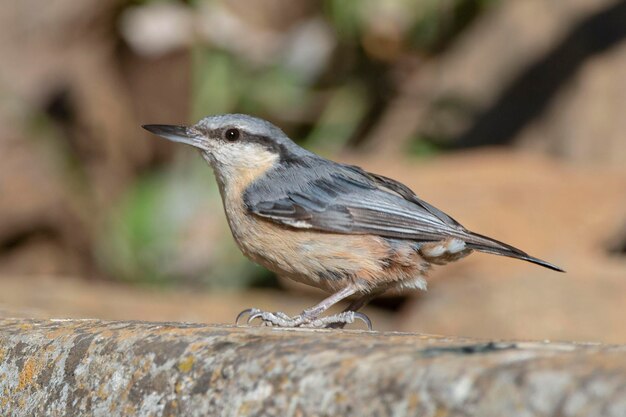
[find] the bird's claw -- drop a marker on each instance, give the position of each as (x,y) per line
(277,318)
(250,311)
(338,321)
(271,319)
(254,316)
(280,319)
(364,318)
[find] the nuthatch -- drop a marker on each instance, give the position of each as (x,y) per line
(333,226)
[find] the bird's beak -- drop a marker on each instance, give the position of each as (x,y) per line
(181,134)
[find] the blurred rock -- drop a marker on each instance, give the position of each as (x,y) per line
(585,122)
(62,297)
(40,228)
(160,89)
(447,94)
(585,304)
(41,254)
(70,136)
(561,213)
(70,75)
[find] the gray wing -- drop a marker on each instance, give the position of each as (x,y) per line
(336,198)
(345,199)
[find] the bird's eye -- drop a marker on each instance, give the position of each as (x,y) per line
(231,135)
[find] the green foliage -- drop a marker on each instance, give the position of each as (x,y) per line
(345,18)
(423,147)
(222,83)
(441,21)
(216,82)
(170,229)
(339,120)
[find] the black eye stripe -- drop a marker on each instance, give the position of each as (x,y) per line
(229,134)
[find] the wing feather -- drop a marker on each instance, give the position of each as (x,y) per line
(347,199)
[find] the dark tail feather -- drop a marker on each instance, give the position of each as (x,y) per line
(488,245)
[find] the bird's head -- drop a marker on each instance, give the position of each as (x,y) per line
(237,146)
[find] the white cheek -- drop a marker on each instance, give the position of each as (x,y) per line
(261,159)
(236,165)
(244,156)
(220,155)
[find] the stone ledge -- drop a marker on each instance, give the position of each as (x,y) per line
(91,367)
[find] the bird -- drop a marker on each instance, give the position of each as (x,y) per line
(330,225)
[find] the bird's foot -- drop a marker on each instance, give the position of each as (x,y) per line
(339,321)
(276,318)
(280,319)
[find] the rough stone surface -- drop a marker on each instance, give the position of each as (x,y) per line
(89,367)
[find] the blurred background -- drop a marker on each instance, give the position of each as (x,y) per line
(510,115)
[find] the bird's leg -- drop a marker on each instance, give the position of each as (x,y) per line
(444,251)
(349,315)
(310,316)
(355,306)
(283,320)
